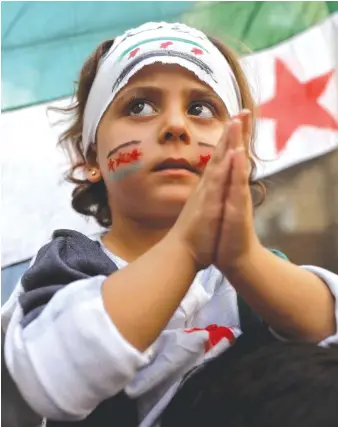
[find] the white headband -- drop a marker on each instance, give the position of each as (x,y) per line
(157,42)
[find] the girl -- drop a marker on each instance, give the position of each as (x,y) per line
(162,129)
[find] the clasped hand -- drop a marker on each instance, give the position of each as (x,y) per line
(216,224)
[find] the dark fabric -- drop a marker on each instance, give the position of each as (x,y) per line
(248,319)
(34,302)
(118,411)
(70,256)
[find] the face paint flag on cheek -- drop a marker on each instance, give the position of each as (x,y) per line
(124,163)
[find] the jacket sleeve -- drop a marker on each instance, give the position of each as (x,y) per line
(61,347)
(331,280)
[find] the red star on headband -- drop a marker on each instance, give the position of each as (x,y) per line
(197,51)
(166,44)
(133,53)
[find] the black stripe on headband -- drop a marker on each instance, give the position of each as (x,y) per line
(162,53)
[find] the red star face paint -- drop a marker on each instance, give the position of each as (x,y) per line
(124,160)
(204,159)
(205,156)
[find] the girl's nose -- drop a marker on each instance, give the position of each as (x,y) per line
(178,135)
(175,129)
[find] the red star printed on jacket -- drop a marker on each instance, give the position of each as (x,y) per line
(216,334)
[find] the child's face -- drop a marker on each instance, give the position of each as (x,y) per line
(164,112)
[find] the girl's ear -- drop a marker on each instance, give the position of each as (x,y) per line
(92,170)
(93,174)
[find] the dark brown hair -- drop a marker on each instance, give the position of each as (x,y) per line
(260,382)
(91,198)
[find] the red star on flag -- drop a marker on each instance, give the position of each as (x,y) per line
(296,104)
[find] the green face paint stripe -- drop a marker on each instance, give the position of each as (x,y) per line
(125,171)
(178,39)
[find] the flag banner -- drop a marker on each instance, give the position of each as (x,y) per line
(293,75)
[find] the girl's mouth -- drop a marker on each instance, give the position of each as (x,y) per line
(176,167)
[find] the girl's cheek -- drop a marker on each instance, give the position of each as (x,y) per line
(125,163)
(204,156)
(211,133)
(203,160)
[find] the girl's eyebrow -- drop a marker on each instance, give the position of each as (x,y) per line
(139,91)
(203,93)
(205,144)
(125,144)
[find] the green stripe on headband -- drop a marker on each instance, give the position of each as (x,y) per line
(158,39)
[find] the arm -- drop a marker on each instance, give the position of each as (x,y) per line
(157,282)
(293,301)
(70,356)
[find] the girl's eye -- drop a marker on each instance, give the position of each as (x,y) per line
(201,110)
(141,108)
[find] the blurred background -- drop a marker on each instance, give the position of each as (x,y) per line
(289,51)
